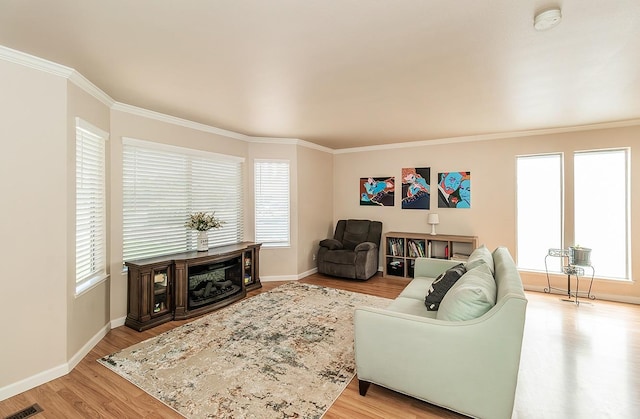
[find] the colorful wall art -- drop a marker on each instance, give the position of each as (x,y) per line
(377,191)
(454,190)
(416,188)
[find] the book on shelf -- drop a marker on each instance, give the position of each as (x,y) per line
(460,257)
(416,248)
(396,246)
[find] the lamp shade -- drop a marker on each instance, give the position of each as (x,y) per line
(433,219)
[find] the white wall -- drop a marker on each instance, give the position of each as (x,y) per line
(33,222)
(492,213)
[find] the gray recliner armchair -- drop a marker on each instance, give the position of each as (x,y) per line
(353,250)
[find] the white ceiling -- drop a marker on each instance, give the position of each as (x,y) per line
(347,73)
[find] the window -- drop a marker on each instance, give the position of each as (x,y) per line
(90,206)
(163,184)
(272,202)
(539,209)
(601,211)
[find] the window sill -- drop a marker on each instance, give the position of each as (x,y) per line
(90,284)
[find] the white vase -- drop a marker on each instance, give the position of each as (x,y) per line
(203,241)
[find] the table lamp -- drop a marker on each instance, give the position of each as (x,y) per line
(433,219)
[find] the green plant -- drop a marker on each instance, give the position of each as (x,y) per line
(203,221)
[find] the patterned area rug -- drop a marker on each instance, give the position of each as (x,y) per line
(283,353)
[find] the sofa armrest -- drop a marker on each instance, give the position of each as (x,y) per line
(365,246)
(428,358)
(331,244)
(431,268)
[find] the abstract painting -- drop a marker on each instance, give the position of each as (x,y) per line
(377,191)
(454,190)
(416,188)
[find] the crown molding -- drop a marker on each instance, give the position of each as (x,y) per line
(146,113)
(31,61)
(292,141)
(37,63)
(84,83)
(488,137)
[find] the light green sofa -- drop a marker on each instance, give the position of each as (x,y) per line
(468,366)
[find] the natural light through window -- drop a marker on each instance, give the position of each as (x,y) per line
(539,210)
(602,209)
(272,202)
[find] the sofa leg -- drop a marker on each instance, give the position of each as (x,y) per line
(363,386)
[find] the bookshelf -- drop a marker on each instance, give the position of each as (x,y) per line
(402,249)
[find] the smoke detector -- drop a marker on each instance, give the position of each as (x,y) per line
(547,19)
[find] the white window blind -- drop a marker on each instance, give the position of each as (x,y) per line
(162,185)
(272,202)
(90,206)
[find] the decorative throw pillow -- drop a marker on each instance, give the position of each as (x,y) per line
(471,297)
(441,285)
(479,256)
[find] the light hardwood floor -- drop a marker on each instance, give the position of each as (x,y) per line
(577,362)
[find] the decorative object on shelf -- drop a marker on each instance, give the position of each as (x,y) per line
(580,256)
(203,222)
(575,259)
(416,189)
(434,220)
(377,191)
(454,190)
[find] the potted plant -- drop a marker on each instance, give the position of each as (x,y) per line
(203,222)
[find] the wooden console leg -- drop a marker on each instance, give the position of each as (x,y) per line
(363,386)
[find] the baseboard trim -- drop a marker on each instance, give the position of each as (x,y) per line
(84,351)
(599,296)
(118,322)
(33,381)
(55,372)
(278,278)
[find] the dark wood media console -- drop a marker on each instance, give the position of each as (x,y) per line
(188,284)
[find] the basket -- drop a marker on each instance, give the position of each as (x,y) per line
(580,256)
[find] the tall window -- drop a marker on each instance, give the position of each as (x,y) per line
(163,184)
(90,206)
(601,201)
(272,202)
(600,220)
(539,209)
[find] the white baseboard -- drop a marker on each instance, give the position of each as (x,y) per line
(599,296)
(288,277)
(55,372)
(33,381)
(278,278)
(118,322)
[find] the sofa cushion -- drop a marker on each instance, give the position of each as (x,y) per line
(416,288)
(342,257)
(441,285)
(479,256)
(331,244)
(351,239)
(411,306)
(470,297)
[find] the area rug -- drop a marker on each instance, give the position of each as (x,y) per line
(285,353)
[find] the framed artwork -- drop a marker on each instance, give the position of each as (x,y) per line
(416,188)
(454,190)
(377,191)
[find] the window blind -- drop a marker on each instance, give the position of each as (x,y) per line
(272,202)
(162,185)
(90,205)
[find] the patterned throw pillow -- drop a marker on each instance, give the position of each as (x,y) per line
(441,285)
